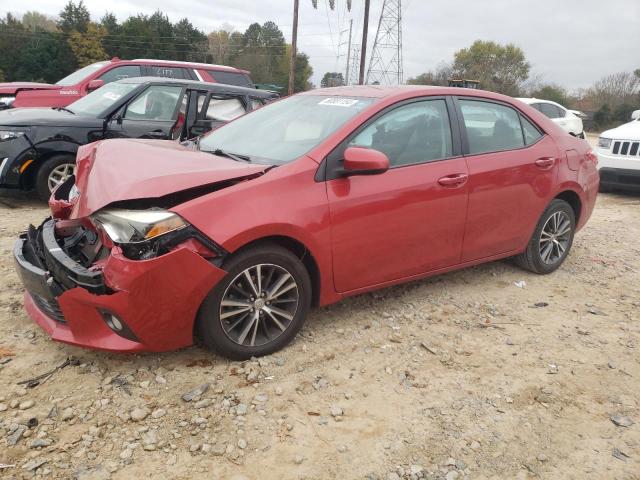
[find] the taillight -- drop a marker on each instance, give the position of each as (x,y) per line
(591,157)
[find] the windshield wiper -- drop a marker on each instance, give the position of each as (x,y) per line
(64,109)
(233,156)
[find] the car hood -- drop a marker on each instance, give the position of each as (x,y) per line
(628,131)
(28,117)
(118,170)
(13,87)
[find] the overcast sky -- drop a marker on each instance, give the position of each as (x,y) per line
(570,42)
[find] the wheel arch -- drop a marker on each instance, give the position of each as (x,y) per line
(45,152)
(574,200)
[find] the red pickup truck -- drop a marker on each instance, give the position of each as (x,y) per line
(91,77)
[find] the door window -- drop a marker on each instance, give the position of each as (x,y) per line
(491,127)
(224,109)
(551,111)
(414,133)
(157,102)
(169,72)
(118,73)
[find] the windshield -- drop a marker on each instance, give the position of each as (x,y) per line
(102,99)
(81,74)
(285,130)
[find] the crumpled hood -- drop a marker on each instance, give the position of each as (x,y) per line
(116,170)
(628,131)
(13,87)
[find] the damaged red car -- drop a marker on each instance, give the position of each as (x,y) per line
(301,203)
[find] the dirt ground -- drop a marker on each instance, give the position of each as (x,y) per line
(465,375)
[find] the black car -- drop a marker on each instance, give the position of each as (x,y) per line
(38,145)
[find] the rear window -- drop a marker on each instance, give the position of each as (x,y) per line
(231,78)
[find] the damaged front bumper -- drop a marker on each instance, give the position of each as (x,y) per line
(117,304)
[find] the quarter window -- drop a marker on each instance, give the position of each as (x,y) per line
(231,78)
(491,127)
(531,133)
(118,73)
(414,133)
(157,102)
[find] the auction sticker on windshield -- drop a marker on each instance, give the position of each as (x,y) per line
(339,102)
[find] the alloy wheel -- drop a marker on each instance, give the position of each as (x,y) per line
(59,175)
(259,305)
(555,237)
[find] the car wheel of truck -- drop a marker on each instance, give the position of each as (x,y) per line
(52,173)
(259,306)
(551,240)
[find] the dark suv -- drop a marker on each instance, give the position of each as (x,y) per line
(94,76)
(38,145)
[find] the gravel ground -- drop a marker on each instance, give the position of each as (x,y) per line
(465,375)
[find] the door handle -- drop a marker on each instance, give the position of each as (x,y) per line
(545,162)
(157,133)
(453,180)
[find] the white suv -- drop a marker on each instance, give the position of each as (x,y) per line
(569,120)
(619,156)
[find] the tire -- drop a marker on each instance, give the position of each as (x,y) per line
(262,335)
(532,258)
(46,170)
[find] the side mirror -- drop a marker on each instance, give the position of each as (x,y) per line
(635,115)
(364,161)
(94,84)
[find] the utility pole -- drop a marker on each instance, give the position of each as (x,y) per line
(365,32)
(294,42)
(346,76)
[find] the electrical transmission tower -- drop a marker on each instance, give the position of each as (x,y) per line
(353,67)
(385,67)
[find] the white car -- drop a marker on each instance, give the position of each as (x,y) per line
(619,156)
(569,120)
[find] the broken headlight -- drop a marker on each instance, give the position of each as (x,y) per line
(137,226)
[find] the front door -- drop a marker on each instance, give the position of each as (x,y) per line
(410,219)
(155,113)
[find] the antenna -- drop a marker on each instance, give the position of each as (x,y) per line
(385,67)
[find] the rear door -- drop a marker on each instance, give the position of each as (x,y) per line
(410,219)
(512,172)
(154,113)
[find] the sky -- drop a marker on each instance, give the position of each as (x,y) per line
(569,42)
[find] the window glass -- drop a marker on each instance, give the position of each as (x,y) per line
(169,72)
(157,102)
(231,78)
(118,73)
(551,111)
(256,103)
(414,133)
(537,106)
(225,109)
(81,74)
(531,133)
(491,127)
(102,100)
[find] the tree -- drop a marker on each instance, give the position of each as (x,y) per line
(87,47)
(74,17)
(219,44)
(439,77)
(552,92)
(33,21)
(499,68)
(332,79)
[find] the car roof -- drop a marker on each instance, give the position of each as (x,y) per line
(399,92)
(214,87)
(177,63)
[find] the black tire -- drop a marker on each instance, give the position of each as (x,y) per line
(210,326)
(531,259)
(42,177)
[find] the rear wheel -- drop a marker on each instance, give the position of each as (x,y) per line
(52,173)
(551,240)
(259,306)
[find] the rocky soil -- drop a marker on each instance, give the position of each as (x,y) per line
(486,373)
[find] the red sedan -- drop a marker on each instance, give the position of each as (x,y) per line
(303,202)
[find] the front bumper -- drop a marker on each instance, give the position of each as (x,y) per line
(157,300)
(13,155)
(620,178)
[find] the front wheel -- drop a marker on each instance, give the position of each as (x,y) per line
(259,306)
(52,173)
(551,241)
